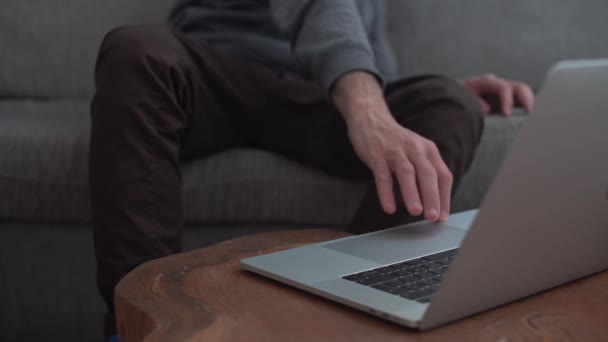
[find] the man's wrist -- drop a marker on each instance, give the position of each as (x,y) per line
(356,93)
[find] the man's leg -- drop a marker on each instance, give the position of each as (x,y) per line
(160,98)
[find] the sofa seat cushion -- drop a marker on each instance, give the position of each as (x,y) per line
(248,185)
(44,167)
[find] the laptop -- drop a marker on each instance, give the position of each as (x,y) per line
(543,223)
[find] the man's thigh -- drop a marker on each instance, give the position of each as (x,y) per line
(300,123)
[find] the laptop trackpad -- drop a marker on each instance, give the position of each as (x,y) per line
(402,243)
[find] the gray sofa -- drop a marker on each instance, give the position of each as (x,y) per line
(47,51)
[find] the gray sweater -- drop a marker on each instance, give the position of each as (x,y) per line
(318,39)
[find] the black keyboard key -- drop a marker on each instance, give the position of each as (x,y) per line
(386,269)
(408,279)
(431,264)
(393,283)
(352,277)
(422,293)
(437,270)
(442,255)
(433,288)
(402,273)
(364,278)
(417,285)
(400,291)
(428,282)
(416,294)
(396,267)
(409,287)
(375,279)
(414,262)
(417,269)
(385,288)
(425,275)
(443,261)
(364,281)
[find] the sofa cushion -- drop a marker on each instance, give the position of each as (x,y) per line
(259,186)
(519,39)
(43,168)
(48,48)
(43,176)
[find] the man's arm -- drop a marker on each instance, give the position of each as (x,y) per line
(327,36)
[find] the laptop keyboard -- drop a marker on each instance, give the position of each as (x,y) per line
(415,279)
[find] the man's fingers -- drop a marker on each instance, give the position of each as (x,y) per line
(491,89)
(485,106)
(406,175)
(445,182)
(524,95)
(428,186)
(384,186)
(505,93)
(427,182)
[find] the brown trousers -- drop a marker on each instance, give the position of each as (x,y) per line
(163,98)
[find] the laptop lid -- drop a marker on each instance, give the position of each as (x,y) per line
(544,221)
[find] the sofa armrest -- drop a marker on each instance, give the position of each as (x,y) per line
(497,138)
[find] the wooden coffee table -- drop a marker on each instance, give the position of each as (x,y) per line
(204,295)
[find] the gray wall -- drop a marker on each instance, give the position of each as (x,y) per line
(519,39)
(47,48)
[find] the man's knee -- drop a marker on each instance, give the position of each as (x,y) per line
(450,107)
(444,111)
(462,117)
(128,47)
(132,63)
(463,107)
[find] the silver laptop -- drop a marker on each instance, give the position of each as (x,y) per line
(544,222)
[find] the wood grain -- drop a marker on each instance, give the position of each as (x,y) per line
(204,295)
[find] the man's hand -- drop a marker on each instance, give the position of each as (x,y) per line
(498,94)
(386,148)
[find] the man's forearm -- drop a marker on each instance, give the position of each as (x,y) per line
(357,94)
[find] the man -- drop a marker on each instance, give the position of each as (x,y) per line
(311,80)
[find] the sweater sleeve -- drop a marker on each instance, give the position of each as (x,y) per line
(327,37)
